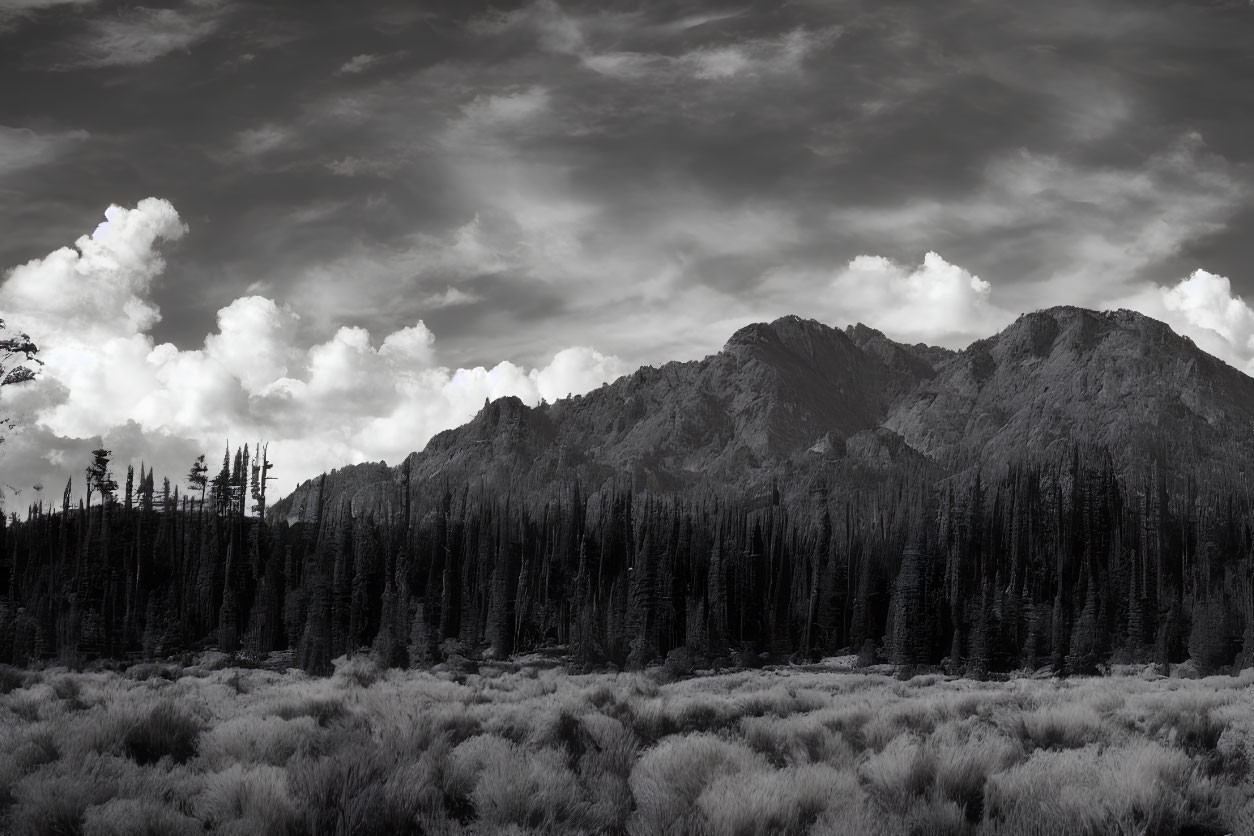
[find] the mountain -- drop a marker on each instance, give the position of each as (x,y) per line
(786,401)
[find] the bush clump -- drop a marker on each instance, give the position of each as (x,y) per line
(325,710)
(167,731)
(10,679)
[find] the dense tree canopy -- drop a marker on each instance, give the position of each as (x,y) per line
(1068,566)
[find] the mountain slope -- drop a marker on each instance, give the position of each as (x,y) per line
(1118,380)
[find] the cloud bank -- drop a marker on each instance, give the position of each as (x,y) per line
(347,399)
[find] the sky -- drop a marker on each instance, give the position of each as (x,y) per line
(338,228)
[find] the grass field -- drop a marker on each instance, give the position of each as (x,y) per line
(528,748)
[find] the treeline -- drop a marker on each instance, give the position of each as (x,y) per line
(1068,566)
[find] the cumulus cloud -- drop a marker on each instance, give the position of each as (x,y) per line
(1206,301)
(347,399)
(573,371)
(934,302)
(1203,307)
(98,287)
(254,341)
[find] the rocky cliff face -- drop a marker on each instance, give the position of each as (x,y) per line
(797,396)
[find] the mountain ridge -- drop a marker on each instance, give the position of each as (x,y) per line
(790,398)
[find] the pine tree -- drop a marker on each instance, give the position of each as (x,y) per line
(197,477)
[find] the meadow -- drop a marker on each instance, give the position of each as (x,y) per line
(526,747)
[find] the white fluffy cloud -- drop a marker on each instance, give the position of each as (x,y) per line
(1205,300)
(348,399)
(98,287)
(1203,307)
(934,302)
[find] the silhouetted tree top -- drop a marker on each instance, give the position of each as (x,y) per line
(17,359)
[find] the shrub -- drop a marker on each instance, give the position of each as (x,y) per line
(42,747)
(902,771)
(166,731)
(911,717)
(324,710)
(1189,721)
(604,770)
(1138,788)
(137,817)
(795,740)
(468,759)
(962,772)
(773,801)
(360,671)
(10,679)
(529,789)
(1061,727)
(252,799)
(680,663)
(1235,747)
(154,670)
(27,708)
(670,777)
(53,803)
(69,690)
(345,792)
(251,739)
